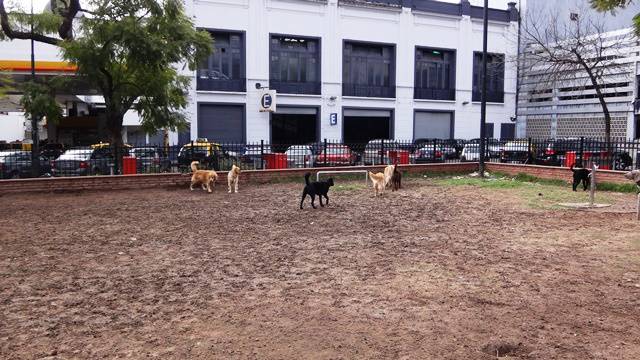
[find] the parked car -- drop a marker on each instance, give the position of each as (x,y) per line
(455,145)
(470,152)
(516,152)
(208,154)
(16,164)
(377,151)
(252,155)
(336,155)
(51,151)
(428,154)
(300,156)
(150,160)
(83,161)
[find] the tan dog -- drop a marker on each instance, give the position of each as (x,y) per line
(232,179)
(206,178)
(388,174)
(378,182)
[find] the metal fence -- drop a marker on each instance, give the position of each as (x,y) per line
(100,159)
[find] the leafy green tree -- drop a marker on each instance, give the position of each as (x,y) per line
(130,50)
(38,101)
(613,5)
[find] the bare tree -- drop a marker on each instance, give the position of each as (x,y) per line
(575,52)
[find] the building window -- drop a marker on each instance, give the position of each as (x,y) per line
(435,72)
(295,65)
(495,77)
(368,70)
(224,69)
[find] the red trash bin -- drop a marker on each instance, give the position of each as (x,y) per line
(129,165)
(269,160)
(280,160)
(569,159)
(399,156)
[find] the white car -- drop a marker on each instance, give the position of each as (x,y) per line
(470,152)
(299,156)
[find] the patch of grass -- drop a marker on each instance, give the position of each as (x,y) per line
(348,187)
(621,188)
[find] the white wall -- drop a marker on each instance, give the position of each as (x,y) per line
(333,24)
(11,127)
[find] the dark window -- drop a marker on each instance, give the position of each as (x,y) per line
(495,77)
(295,65)
(223,70)
(435,74)
(368,70)
(488,130)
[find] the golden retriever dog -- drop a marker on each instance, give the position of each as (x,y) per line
(232,179)
(388,174)
(378,182)
(206,178)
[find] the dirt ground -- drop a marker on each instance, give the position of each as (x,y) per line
(430,272)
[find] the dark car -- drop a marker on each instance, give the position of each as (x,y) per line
(556,152)
(150,160)
(16,164)
(208,154)
(428,154)
(51,151)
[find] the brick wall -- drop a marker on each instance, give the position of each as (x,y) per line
(551,172)
(182,180)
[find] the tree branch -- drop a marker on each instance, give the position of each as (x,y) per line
(11,34)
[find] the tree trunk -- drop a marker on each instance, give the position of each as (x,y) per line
(603,104)
(114,121)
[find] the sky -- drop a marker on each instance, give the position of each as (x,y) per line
(621,20)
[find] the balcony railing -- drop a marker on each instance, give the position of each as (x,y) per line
(208,82)
(492,96)
(368,91)
(286,87)
(434,94)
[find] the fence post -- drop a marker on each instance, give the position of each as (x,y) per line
(581,151)
(435,150)
(261,154)
(382,152)
(325,152)
(529,152)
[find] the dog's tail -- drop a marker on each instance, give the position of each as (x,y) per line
(306,178)
(395,167)
(194,166)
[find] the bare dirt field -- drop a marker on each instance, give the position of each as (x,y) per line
(430,272)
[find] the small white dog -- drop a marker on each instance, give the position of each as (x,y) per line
(232,179)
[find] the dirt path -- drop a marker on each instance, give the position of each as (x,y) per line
(429,272)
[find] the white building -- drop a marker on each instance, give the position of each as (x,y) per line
(570,108)
(349,70)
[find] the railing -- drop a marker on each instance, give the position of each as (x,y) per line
(142,159)
(208,84)
(434,94)
(368,90)
(286,87)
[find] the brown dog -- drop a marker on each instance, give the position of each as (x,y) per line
(378,182)
(232,179)
(396,178)
(206,178)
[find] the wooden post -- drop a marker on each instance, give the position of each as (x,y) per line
(592,189)
(638,208)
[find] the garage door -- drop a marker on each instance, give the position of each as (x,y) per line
(221,123)
(362,125)
(293,125)
(433,125)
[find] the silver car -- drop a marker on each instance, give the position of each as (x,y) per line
(299,156)
(373,152)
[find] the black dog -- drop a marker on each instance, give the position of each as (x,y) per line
(580,175)
(320,188)
(396,178)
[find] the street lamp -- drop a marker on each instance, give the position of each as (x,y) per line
(483,99)
(35,151)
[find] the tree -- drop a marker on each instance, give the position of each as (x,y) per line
(38,101)
(130,50)
(5,85)
(613,5)
(577,53)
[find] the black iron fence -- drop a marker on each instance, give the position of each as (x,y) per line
(100,159)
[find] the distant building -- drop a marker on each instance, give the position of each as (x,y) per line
(571,108)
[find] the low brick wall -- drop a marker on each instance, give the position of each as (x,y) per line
(122,182)
(552,172)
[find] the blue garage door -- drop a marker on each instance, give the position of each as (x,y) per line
(221,123)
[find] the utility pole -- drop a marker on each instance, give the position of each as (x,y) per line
(483,106)
(35,149)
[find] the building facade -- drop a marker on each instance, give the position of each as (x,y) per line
(570,108)
(344,70)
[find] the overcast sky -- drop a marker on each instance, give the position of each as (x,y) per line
(621,20)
